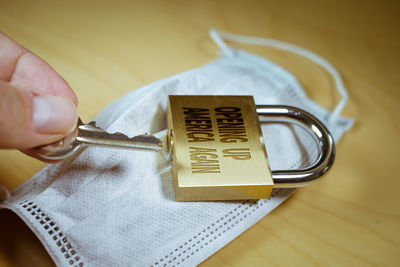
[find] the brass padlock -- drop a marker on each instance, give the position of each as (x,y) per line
(217,150)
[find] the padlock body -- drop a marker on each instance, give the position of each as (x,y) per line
(217,149)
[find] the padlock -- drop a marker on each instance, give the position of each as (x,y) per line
(217,150)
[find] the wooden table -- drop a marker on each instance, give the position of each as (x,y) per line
(105,49)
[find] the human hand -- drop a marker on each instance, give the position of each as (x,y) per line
(37,106)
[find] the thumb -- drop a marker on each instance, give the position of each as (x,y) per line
(28,120)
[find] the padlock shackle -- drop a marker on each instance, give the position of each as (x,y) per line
(326,144)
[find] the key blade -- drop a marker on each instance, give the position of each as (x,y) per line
(90,134)
(138,142)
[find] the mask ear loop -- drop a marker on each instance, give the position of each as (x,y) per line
(218,37)
(5,195)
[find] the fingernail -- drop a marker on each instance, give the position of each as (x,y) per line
(53,114)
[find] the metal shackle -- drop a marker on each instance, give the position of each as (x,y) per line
(326,144)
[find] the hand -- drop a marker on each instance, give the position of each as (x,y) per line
(37,106)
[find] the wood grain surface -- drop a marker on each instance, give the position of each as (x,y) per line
(105,49)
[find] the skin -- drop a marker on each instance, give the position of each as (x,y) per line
(26,82)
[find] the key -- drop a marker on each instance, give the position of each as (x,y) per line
(90,134)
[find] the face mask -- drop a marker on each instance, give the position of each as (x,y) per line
(109,207)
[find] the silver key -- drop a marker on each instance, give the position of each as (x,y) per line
(90,134)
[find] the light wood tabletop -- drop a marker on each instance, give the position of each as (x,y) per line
(105,49)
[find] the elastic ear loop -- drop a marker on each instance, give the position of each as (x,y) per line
(219,37)
(5,195)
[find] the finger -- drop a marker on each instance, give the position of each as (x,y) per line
(28,120)
(25,70)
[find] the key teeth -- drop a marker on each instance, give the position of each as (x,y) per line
(147,138)
(143,138)
(91,127)
(146,135)
(93,123)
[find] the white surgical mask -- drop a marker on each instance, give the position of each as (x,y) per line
(109,207)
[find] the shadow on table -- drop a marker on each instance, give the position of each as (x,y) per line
(18,244)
